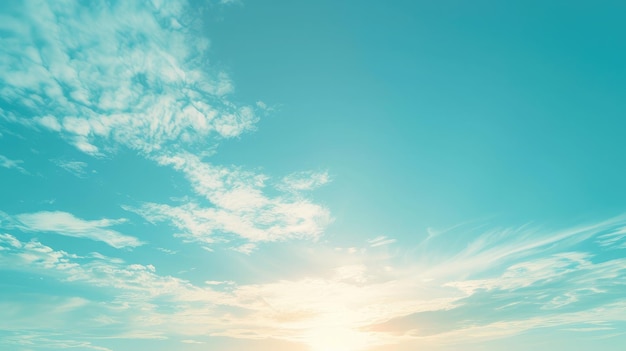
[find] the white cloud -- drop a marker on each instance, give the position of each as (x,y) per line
(245,248)
(485,249)
(167,251)
(28,340)
(64,223)
(77,168)
(615,238)
(10,240)
(189,341)
(302,181)
(381,241)
(532,272)
(240,206)
(12,164)
(49,122)
(139,282)
(131,73)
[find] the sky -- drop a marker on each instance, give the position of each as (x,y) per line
(312,175)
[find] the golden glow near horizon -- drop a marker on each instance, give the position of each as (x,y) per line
(337,338)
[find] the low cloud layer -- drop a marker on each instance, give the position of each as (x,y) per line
(365,299)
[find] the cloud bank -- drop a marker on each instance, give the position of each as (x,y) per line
(367,299)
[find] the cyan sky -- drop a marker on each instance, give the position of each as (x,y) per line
(320,176)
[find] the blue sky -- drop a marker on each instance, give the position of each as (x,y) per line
(312,176)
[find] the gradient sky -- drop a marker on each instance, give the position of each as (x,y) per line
(312,176)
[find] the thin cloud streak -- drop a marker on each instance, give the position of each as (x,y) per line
(64,223)
(12,164)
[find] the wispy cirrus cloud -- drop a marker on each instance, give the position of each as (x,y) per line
(303,181)
(12,164)
(189,341)
(77,168)
(64,223)
(381,241)
(229,2)
(615,238)
(29,340)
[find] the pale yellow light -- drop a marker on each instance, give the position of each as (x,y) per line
(336,339)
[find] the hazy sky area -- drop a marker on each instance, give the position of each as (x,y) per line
(312,175)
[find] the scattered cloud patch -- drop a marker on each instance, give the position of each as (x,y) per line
(12,164)
(135,76)
(381,241)
(240,207)
(167,251)
(189,341)
(48,122)
(230,2)
(64,223)
(28,340)
(245,248)
(219,282)
(303,181)
(10,240)
(77,168)
(615,238)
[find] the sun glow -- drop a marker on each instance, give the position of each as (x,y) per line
(336,338)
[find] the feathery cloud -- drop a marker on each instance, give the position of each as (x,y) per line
(381,241)
(77,168)
(64,223)
(12,164)
(239,208)
(303,181)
